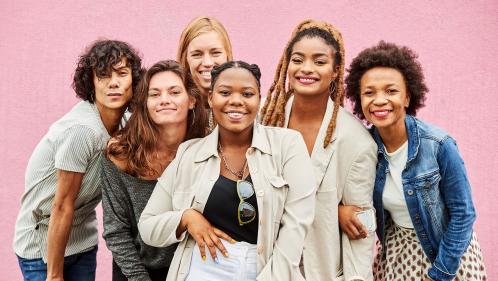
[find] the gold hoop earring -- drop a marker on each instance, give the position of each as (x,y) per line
(193,117)
(332,88)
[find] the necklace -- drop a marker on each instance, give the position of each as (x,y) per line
(238,174)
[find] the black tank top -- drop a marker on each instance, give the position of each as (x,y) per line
(221,211)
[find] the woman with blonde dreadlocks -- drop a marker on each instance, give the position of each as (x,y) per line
(342,152)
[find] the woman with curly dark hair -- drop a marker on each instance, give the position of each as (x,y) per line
(166,112)
(422,196)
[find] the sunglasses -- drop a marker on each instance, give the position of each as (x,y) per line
(246,212)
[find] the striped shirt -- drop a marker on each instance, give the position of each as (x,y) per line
(73,143)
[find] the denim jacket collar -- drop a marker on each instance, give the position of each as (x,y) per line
(413,139)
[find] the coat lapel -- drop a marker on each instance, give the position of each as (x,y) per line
(320,156)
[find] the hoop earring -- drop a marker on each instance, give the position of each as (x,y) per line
(193,117)
(332,88)
(211,120)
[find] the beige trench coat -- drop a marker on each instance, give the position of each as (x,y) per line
(283,180)
(344,172)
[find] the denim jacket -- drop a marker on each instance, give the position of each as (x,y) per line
(437,193)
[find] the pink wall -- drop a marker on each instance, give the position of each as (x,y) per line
(456,41)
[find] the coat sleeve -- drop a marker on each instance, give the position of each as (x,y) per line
(357,255)
(159,220)
(455,188)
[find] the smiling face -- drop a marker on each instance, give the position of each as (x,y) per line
(203,53)
(235,100)
(115,91)
(311,67)
(167,100)
(384,98)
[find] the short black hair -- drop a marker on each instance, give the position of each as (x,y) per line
(100,57)
(390,55)
(253,68)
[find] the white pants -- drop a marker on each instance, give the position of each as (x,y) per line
(239,266)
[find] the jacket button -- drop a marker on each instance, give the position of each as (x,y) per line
(427,185)
(410,192)
(260,193)
(260,249)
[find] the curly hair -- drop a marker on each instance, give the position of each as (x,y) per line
(273,111)
(390,55)
(137,141)
(100,57)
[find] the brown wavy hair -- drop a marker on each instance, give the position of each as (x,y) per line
(273,111)
(137,141)
(100,57)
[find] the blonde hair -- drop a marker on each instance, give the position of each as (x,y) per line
(197,27)
(273,111)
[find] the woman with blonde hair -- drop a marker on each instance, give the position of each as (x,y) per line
(342,152)
(204,44)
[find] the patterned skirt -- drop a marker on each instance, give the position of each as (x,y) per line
(405,259)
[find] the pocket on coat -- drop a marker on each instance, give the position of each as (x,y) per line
(428,188)
(278,196)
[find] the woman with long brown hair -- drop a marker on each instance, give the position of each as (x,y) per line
(342,152)
(166,112)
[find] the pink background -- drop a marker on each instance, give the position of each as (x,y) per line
(456,41)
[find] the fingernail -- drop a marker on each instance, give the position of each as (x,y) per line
(225,254)
(203,258)
(233,241)
(216,260)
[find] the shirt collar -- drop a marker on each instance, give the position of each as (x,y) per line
(259,141)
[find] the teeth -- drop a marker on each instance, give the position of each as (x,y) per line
(307,80)
(206,74)
(380,113)
(235,114)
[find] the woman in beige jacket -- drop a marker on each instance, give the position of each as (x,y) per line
(245,182)
(342,152)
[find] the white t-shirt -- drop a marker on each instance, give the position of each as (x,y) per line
(393,197)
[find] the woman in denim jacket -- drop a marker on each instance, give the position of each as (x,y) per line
(422,196)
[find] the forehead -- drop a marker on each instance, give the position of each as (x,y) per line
(236,77)
(165,79)
(206,40)
(312,45)
(382,75)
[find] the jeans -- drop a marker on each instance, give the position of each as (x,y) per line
(78,267)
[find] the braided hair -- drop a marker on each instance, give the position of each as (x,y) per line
(273,111)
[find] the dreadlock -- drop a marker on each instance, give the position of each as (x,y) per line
(273,111)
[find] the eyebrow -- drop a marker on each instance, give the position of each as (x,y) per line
(388,85)
(169,88)
(212,49)
(120,68)
(244,88)
(314,55)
